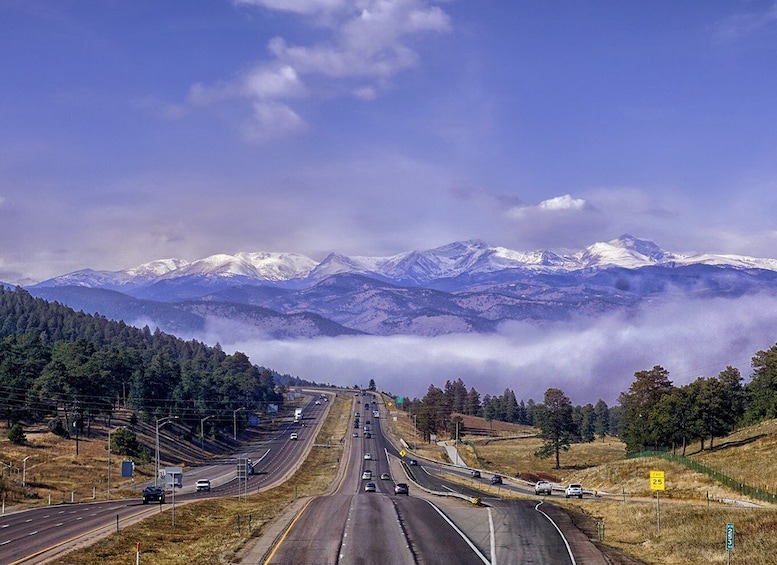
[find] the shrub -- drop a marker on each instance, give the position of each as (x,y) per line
(16,435)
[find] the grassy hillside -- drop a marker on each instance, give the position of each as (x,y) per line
(694,509)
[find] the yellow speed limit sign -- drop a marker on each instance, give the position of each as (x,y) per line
(657,480)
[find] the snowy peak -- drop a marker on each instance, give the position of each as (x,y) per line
(473,257)
(334,264)
(625,251)
(156,268)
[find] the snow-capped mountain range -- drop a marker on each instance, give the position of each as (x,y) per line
(420,267)
(465,286)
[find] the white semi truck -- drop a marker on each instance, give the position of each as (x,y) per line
(298,415)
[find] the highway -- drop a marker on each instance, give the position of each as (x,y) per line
(354,526)
(349,525)
(34,535)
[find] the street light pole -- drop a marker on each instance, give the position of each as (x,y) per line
(160,422)
(234,422)
(202,432)
(24,470)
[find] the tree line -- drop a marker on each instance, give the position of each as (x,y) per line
(652,414)
(71,368)
(439,410)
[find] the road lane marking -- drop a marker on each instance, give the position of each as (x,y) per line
(462,534)
(71,540)
(493,536)
(286,532)
(566,543)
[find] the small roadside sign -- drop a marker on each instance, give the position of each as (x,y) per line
(402,453)
(657,480)
(729,537)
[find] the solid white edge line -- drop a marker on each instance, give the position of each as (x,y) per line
(493,536)
(566,543)
(458,531)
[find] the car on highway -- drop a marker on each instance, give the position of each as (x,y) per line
(496,480)
(413,463)
(573,489)
(368,435)
(366,475)
(293,435)
(370,487)
(355,434)
(475,474)
(401,488)
(543,487)
(153,493)
(385,477)
(368,456)
(203,485)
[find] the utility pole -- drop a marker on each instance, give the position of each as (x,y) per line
(234,422)
(160,422)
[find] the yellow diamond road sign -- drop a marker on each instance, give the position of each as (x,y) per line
(657,480)
(402,453)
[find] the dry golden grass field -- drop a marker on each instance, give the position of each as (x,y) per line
(212,531)
(693,516)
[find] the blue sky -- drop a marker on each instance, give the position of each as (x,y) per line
(138,130)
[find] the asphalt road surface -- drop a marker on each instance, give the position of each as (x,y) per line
(354,526)
(35,535)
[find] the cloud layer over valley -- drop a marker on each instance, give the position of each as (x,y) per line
(588,358)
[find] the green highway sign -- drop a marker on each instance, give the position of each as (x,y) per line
(729,537)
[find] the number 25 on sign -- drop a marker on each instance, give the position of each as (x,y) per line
(657,480)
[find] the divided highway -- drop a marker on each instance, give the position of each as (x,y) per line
(355,526)
(349,526)
(31,536)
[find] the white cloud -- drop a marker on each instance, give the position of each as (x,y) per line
(565,202)
(557,204)
(587,358)
(744,24)
(364,40)
(280,82)
(366,93)
(305,7)
(273,120)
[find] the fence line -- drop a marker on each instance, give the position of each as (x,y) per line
(736,485)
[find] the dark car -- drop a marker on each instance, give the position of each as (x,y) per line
(475,474)
(401,488)
(496,480)
(413,462)
(153,493)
